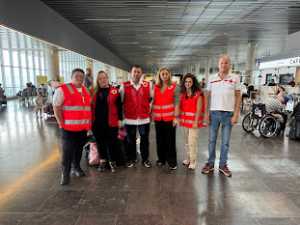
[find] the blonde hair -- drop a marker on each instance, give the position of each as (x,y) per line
(225,56)
(158,80)
(98,75)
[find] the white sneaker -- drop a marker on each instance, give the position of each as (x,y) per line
(186,162)
(192,166)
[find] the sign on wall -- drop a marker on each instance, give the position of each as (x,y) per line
(295,61)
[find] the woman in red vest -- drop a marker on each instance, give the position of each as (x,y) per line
(107,117)
(163,113)
(191,117)
(72,109)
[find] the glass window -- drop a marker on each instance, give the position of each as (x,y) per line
(24,77)
(31,75)
(36,60)
(17,78)
(23,59)
(28,41)
(13,39)
(4,39)
(21,40)
(8,76)
(6,59)
(1,74)
(30,62)
(15,58)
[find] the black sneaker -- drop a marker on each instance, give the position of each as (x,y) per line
(173,167)
(102,167)
(225,170)
(207,169)
(147,164)
(130,164)
(112,166)
(78,172)
(65,179)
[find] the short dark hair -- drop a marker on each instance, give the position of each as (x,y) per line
(77,70)
(136,66)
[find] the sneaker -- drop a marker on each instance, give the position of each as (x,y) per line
(147,164)
(225,170)
(192,166)
(130,164)
(78,172)
(207,169)
(159,163)
(173,167)
(112,166)
(186,162)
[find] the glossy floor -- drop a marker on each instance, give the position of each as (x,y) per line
(264,189)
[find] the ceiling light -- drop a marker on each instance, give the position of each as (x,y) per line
(109,19)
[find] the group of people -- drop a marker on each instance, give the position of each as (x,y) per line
(104,109)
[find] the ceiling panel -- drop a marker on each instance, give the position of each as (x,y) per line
(155,32)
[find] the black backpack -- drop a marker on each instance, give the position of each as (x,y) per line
(294,132)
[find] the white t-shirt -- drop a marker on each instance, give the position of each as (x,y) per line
(136,86)
(222,92)
(58,97)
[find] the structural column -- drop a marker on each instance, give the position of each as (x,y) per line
(250,61)
(53,63)
(208,66)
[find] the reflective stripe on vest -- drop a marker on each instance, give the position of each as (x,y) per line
(188,114)
(77,108)
(71,90)
(163,106)
(163,114)
(76,122)
(187,121)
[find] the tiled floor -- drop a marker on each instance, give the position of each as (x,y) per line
(264,189)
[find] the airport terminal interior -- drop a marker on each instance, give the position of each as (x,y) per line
(43,41)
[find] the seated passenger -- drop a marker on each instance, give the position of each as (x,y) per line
(277,103)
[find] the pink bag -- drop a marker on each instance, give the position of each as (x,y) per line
(122,134)
(94,158)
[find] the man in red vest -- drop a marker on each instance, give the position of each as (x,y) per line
(72,109)
(136,95)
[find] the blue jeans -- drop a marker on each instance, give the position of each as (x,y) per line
(218,118)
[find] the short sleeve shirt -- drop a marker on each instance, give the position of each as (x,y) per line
(58,97)
(222,92)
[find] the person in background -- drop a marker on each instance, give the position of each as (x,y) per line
(244,91)
(72,110)
(88,79)
(191,118)
(277,103)
(203,83)
(165,102)
(272,83)
(223,91)
(39,103)
(107,119)
(136,95)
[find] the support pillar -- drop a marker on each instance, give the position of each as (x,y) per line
(250,61)
(53,64)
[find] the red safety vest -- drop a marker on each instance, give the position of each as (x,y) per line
(136,102)
(163,105)
(188,108)
(76,108)
(113,117)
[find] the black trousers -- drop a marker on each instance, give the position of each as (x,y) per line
(166,142)
(131,141)
(107,142)
(72,146)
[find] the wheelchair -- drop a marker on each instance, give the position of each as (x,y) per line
(269,124)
